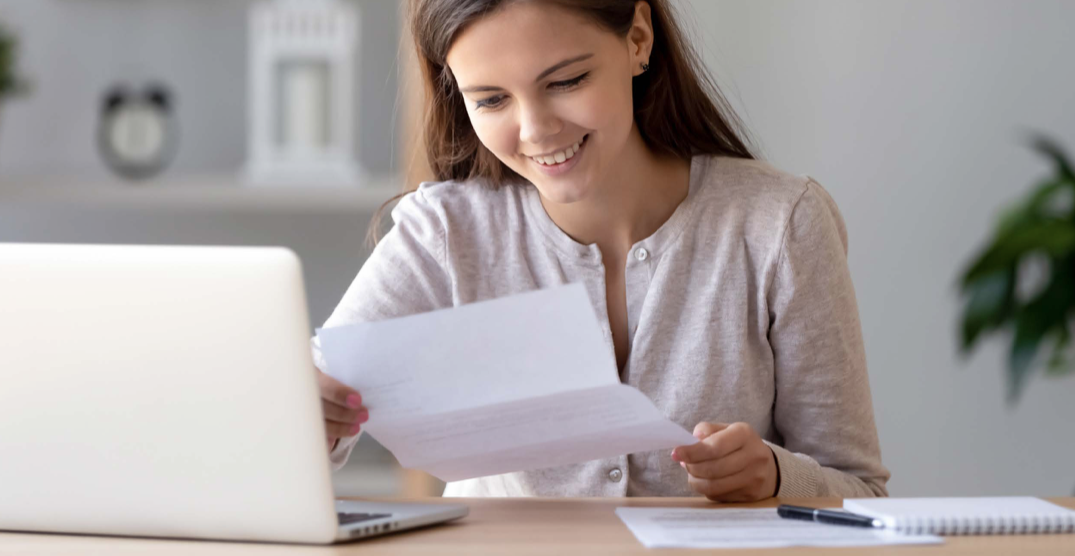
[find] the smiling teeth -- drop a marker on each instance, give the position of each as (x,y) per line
(560,157)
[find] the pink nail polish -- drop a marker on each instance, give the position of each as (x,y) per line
(353,400)
(674,457)
(363,417)
(355,429)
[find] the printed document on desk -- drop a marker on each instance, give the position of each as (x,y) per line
(748,528)
(513,384)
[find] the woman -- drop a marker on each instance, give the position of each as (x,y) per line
(580,141)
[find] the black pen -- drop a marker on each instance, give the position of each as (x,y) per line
(827,516)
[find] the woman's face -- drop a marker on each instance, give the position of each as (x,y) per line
(539,82)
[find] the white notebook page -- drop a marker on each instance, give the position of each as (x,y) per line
(986,515)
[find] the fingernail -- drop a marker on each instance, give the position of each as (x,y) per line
(699,436)
(353,400)
(355,429)
(674,456)
(683,465)
(363,416)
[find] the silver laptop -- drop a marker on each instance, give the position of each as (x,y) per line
(168,392)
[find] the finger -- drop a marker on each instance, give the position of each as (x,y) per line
(714,446)
(341,430)
(718,489)
(720,468)
(701,430)
(344,415)
(704,429)
(338,392)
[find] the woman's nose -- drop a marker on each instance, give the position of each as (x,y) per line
(538,123)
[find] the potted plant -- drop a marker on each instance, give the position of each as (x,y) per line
(10,83)
(1023,281)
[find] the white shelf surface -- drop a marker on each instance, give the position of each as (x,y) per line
(209,192)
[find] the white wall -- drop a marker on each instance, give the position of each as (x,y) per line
(74,50)
(911,114)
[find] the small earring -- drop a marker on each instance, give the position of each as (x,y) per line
(645,67)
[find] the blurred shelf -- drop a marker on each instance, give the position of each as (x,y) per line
(200,193)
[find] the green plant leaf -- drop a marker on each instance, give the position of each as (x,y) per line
(1041,223)
(1052,150)
(988,305)
(1045,315)
(1054,237)
(10,83)
(1063,278)
(1028,335)
(1037,206)
(1059,364)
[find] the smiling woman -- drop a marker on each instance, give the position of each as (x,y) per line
(677,107)
(581,141)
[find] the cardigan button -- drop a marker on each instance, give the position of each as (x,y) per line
(641,254)
(615,475)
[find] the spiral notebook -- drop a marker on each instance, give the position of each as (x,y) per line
(966,516)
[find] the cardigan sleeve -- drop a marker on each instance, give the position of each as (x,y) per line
(823,410)
(406,274)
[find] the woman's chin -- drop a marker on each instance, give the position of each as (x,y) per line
(562,193)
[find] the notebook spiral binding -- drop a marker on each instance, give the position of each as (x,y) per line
(985,525)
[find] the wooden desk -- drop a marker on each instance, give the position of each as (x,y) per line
(547,526)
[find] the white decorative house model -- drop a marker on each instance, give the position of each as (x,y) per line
(301,93)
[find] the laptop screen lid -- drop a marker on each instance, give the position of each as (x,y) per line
(159,391)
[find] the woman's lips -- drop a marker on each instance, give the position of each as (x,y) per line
(560,168)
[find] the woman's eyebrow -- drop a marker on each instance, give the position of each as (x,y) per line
(542,75)
(560,65)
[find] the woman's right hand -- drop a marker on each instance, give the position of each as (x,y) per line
(342,408)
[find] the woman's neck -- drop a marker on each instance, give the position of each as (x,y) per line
(639,194)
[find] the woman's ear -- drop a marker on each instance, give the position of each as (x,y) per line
(640,38)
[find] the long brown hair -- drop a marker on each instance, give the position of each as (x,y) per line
(678,108)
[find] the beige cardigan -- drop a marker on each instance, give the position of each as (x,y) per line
(740,308)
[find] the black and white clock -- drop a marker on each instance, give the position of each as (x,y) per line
(137,133)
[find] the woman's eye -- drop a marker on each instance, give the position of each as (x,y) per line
(570,82)
(491,102)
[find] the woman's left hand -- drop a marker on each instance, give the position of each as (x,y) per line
(729,464)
